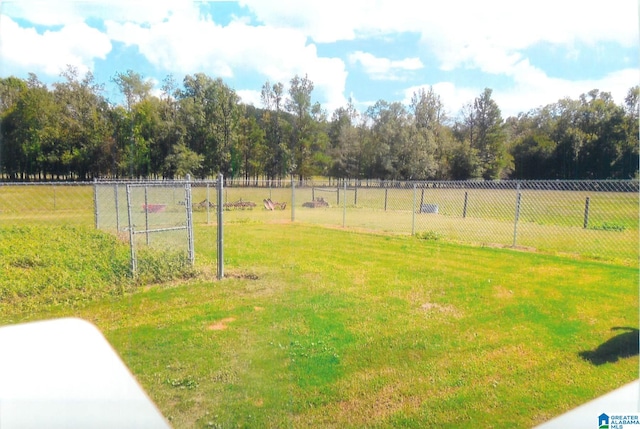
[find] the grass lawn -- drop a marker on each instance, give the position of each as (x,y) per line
(317,327)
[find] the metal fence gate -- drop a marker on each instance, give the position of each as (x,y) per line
(155,214)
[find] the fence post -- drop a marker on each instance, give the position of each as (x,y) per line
(338,195)
(586,213)
(313,193)
(132,245)
(207,202)
(293,199)
(355,194)
(344,205)
(95,203)
(386,193)
(146,215)
(208,205)
(188,203)
(115,193)
(517,216)
(220,227)
(466,200)
(413,212)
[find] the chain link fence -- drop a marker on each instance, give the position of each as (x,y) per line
(149,214)
(158,213)
(594,219)
(46,203)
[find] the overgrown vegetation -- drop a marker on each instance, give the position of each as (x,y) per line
(317,327)
(56,265)
(609,226)
(429,235)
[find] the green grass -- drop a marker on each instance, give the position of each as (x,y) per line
(331,328)
(69,265)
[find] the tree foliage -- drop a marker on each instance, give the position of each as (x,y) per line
(201,127)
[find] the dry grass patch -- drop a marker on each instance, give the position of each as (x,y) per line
(221,325)
(374,408)
(502,292)
(432,308)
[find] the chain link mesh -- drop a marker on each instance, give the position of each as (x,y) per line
(46,203)
(596,219)
(143,214)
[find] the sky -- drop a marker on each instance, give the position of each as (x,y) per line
(530,53)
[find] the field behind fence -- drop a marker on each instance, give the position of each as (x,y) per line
(595,219)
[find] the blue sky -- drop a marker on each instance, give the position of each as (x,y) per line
(530,53)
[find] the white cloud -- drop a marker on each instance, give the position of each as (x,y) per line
(40,12)
(489,35)
(75,44)
(63,12)
(533,89)
(324,22)
(460,32)
(188,43)
(453,97)
(250,96)
(517,24)
(542,90)
(385,68)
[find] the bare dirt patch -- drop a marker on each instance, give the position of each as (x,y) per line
(258,308)
(502,292)
(432,307)
(244,276)
(221,324)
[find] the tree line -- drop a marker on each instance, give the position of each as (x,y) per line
(70,131)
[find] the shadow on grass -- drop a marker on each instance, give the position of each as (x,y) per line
(621,346)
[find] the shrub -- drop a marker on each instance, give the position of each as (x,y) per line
(609,226)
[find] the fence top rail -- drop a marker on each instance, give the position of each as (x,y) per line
(629,185)
(110,182)
(46,183)
(542,185)
(148,184)
(156,182)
